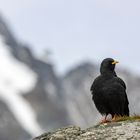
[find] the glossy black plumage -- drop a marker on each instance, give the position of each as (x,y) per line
(109,91)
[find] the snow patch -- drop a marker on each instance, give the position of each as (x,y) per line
(21,110)
(13,72)
(17,79)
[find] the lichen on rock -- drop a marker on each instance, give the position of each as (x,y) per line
(124,130)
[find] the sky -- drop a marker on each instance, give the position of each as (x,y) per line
(78,30)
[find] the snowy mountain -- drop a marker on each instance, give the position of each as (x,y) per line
(27,91)
(17,79)
(33,99)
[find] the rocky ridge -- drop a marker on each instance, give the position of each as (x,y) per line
(125,130)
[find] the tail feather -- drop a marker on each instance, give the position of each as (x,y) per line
(126,110)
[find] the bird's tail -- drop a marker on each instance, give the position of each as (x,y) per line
(126,110)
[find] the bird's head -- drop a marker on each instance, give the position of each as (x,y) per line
(108,66)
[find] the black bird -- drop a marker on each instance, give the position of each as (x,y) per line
(109,91)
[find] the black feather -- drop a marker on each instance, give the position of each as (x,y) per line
(109,91)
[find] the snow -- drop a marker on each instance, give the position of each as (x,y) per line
(13,72)
(16,79)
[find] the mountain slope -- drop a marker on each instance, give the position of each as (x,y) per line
(23,90)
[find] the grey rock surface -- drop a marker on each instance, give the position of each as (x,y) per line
(126,130)
(10,129)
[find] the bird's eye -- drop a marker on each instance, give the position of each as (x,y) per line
(110,62)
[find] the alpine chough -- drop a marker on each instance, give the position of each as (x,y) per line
(109,91)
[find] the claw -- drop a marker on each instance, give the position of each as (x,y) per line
(104,120)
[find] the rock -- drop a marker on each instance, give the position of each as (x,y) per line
(124,130)
(70,132)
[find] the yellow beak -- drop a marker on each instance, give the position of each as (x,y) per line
(115,62)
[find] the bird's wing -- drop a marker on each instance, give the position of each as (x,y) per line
(119,80)
(116,88)
(94,84)
(115,94)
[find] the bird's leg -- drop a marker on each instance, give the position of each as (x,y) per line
(104,119)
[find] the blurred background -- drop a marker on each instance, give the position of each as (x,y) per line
(50,53)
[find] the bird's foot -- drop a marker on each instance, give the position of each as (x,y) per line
(104,121)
